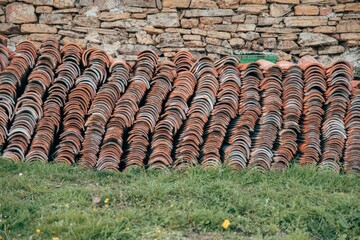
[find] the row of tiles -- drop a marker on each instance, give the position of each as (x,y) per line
(83,107)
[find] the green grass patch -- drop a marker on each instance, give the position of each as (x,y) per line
(300,203)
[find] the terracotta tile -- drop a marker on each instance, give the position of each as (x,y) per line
(13,80)
(86,108)
(126,107)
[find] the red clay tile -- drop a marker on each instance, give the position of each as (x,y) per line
(29,106)
(270,121)
(314,90)
(190,140)
(148,115)
(101,110)
(108,116)
(223,112)
(79,101)
(125,110)
(13,78)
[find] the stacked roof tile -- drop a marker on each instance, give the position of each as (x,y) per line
(292,98)
(176,108)
(238,144)
(13,79)
(96,63)
(191,138)
(144,125)
(337,95)
(270,120)
(314,88)
(352,147)
(224,111)
(101,110)
(29,106)
(84,107)
(48,127)
(4,53)
(125,110)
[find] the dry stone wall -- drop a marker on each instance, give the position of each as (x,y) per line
(326,29)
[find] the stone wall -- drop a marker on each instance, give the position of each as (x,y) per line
(326,29)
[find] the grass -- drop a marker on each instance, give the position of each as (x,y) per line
(299,203)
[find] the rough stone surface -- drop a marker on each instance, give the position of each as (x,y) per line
(43,9)
(246,27)
(331,50)
(349,36)
(237,42)
(284,1)
(189,23)
(252,9)
(18,12)
(113,16)
(268,21)
(256,2)
(9,28)
(63,3)
(86,21)
(192,37)
(211,20)
(325,29)
(352,7)
(319,2)
(140,3)
(143,38)
(279,10)
(203,4)
(81,42)
(348,26)
(169,40)
(228,3)
(40,37)
(38,28)
(106,4)
(287,45)
(164,20)
(220,35)
(239,18)
(316,39)
(249,36)
(194,44)
(305,21)
(176,4)
(303,10)
(268,43)
(219,50)
(226,28)
(57,18)
(209,13)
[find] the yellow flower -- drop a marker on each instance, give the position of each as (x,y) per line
(55,238)
(127,229)
(106,206)
(158,231)
(226,224)
(187,172)
(38,231)
(106,200)
(94,209)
